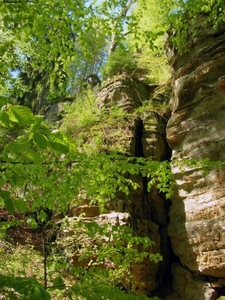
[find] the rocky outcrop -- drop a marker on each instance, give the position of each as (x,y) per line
(196,131)
(154,142)
(55,112)
(187,285)
(148,211)
(123,91)
(193,220)
(142,134)
(194,226)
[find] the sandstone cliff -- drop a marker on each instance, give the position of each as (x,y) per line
(196,131)
(137,134)
(188,229)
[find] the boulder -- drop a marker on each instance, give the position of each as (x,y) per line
(123,91)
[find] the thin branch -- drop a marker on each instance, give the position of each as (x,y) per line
(123,14)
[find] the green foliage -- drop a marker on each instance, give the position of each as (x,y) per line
(182,15)
(178,17)
(39,160)
(11,114)
(147,43)
(115,245)
(18,267)
(23,288)
(90,289)
(119,62)
(44,169)
(109,253)
(83,112)
(53,46)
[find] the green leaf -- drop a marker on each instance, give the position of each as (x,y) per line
(3,280)
(40,140)
(58,282)
(9,205)
(7,20)
(21,205)
(36,294)
(59,142)
(20,114)
(4,119)
(59,147)
(3,101)
(17,179)
(34,157)
(4,194)
(32,223)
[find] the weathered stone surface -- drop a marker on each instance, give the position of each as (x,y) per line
(187,286)
(141,136)
(160,98)
(55,112)
(124,91)
(197,221)
(199,97)
(196,131)
(154,142)
(86,210)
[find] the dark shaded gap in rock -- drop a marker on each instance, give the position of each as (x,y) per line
(164,276)
(138,138)
(168,152)
(220,291)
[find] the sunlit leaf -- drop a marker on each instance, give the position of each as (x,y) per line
(36,158)
(36,294)
(20,114)
(4,119)
(32,223)
(21,205)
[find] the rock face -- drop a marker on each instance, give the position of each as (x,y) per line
(149,212)
(55,112)
(193,221)
(196,131)
(123,91)
(141,135)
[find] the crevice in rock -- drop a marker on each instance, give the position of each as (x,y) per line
(164,276)
(138,148)
(220,292)
(158,211)
(159,207)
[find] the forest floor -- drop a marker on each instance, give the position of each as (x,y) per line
(19,232)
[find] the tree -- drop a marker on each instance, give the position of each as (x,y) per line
(54,40)
(181,15)
(44,164)
(32,166)
(147,44)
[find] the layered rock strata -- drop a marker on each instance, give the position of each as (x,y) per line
(123,91)
(143,135)
(196,131)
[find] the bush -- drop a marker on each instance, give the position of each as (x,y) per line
(119,62)
(83,112)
